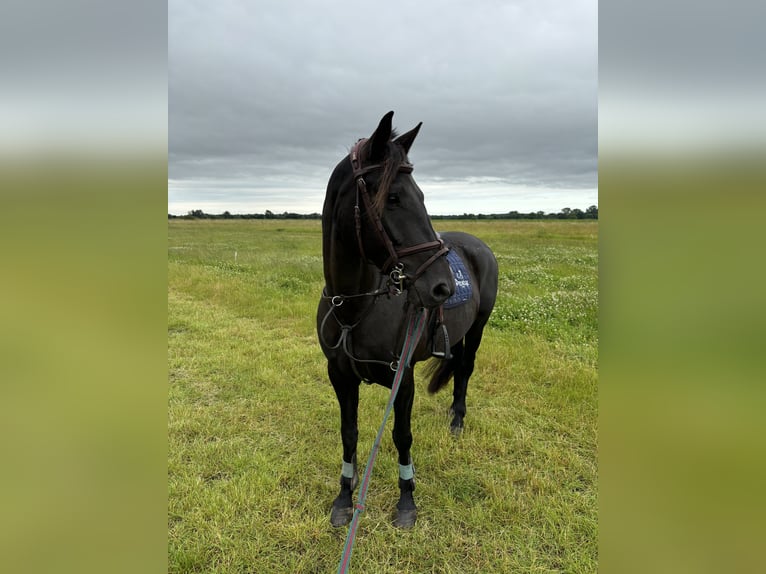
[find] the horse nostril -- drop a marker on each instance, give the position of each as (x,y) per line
(441,292)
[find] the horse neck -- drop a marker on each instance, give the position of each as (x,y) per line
(345,272)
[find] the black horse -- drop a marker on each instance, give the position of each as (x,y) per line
(382,260)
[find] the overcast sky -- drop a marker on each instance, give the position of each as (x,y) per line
(266,97)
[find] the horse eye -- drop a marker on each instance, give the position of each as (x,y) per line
(393,198)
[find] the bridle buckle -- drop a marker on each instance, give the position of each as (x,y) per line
(397,277)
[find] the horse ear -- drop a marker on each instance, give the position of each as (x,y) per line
(379,138)
(405,140)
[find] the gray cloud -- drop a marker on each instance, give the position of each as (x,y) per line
(266,97)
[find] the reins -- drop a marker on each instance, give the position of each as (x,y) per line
(414,332)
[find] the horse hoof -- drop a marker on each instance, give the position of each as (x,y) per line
(405,518)
(341,516)
(456,426)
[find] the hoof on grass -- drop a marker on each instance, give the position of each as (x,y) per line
(341,516)
(405,518)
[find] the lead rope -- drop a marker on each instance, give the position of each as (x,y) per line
(414,332)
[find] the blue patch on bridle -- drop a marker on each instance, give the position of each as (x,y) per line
(463,288)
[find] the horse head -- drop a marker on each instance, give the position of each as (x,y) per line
(374,214)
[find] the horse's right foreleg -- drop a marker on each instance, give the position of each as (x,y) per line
(347,391)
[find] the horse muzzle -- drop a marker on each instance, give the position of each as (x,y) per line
(430,289)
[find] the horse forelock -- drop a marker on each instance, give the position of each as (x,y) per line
(395,155)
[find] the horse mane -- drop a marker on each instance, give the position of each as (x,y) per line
(394,157)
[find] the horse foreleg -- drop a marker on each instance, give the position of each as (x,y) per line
(347,391)
(406,510)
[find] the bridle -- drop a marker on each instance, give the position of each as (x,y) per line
(392,266)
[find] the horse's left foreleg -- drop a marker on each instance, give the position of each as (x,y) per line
(406,510)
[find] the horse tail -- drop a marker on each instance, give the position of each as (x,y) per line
(440,371)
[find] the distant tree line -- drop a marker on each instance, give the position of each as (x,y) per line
(199,214)
(566,213)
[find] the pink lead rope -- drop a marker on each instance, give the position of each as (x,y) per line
(414,332)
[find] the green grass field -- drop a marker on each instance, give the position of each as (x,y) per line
(253,424)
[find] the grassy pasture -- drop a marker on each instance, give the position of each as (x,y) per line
(253,424)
